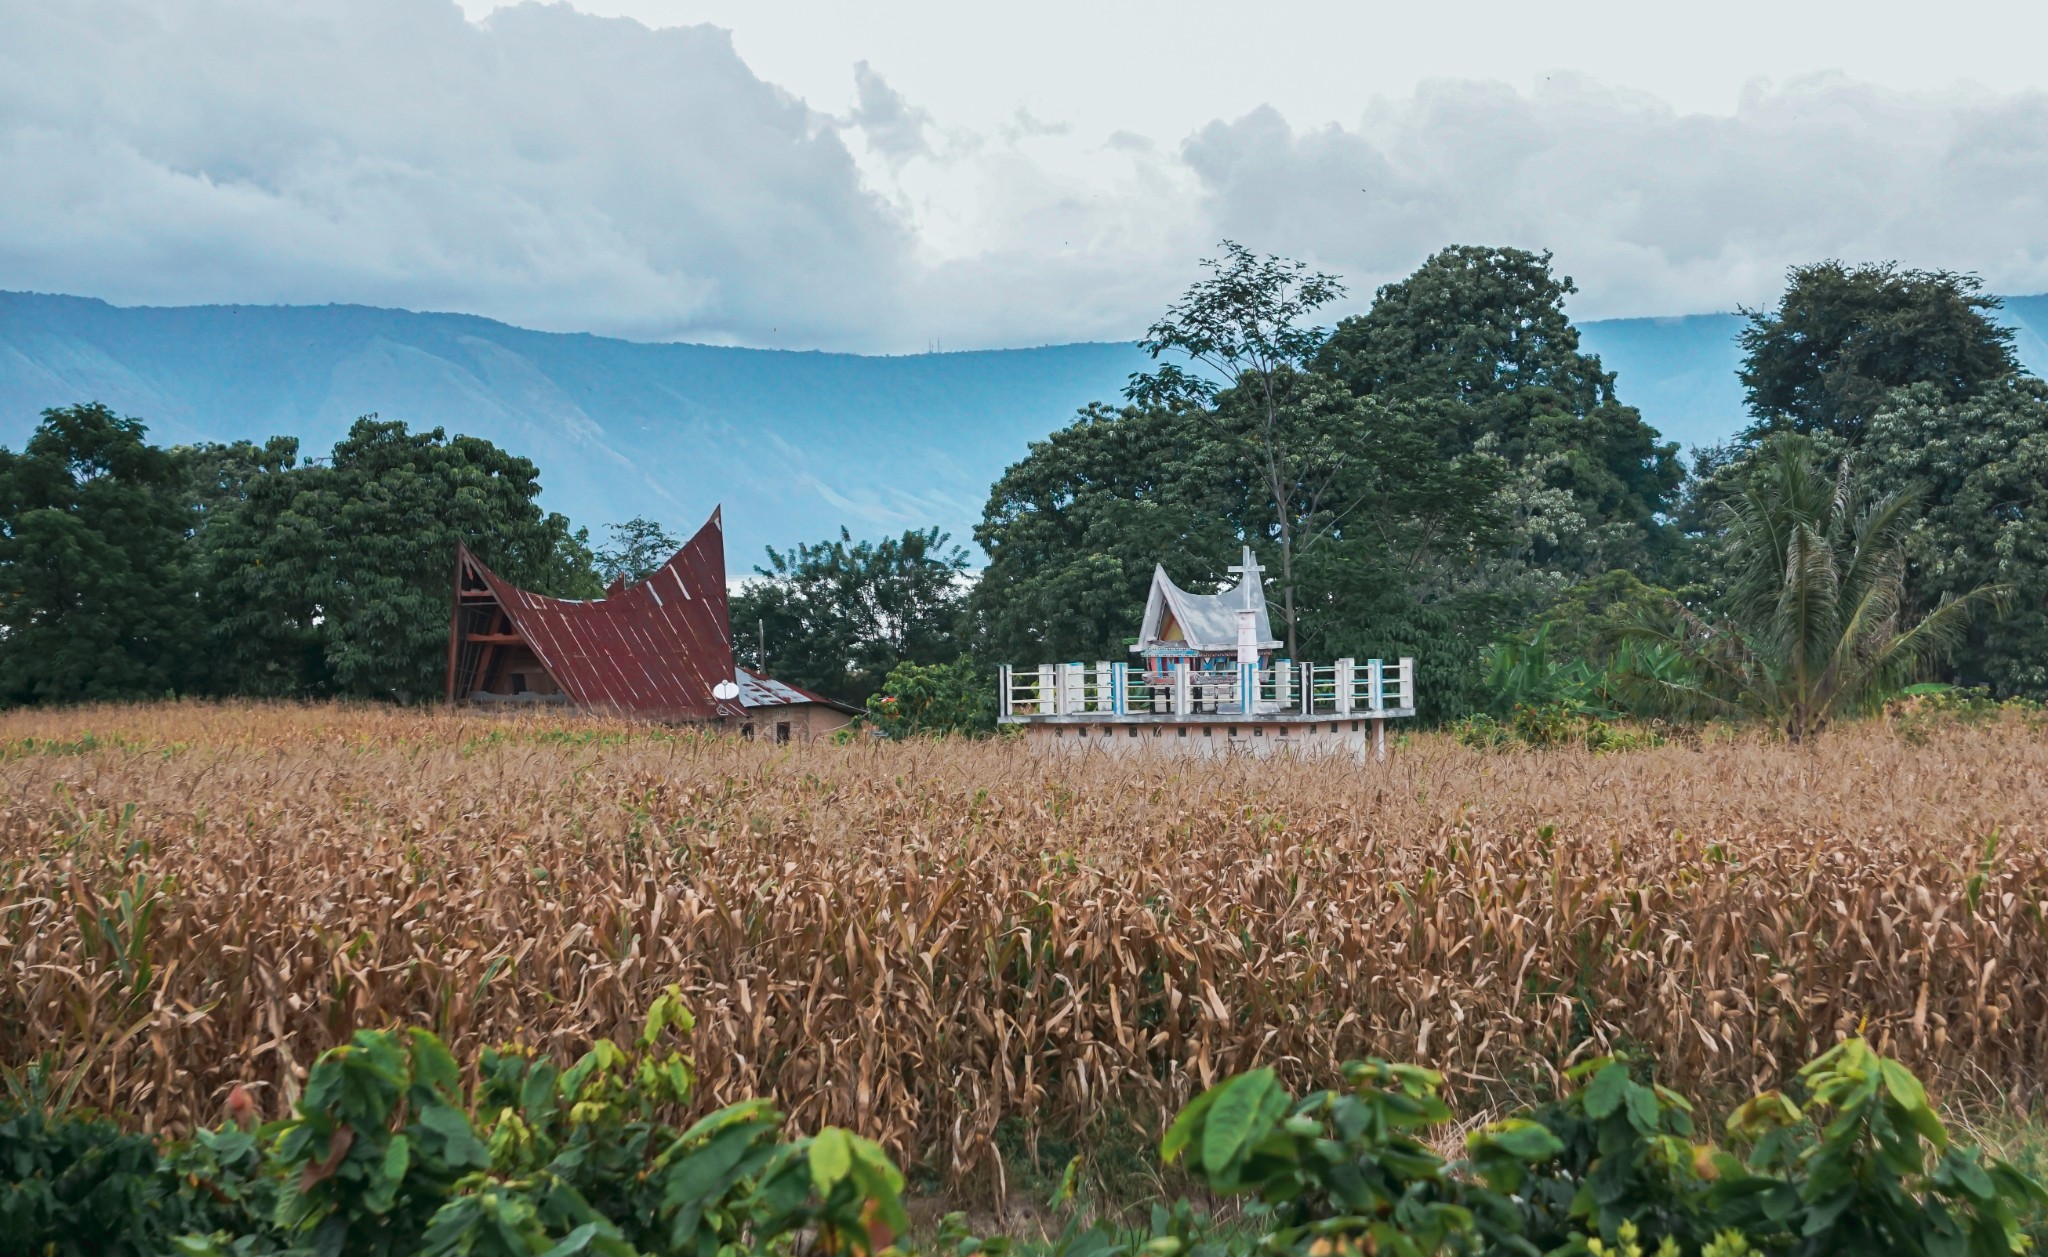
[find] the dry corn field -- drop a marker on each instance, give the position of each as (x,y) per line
(921,940)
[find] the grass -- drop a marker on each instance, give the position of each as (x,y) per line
(967,951)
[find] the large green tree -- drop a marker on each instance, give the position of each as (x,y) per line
(96,598)
(1074,530)
(1842,338)
(838,616)
(1478,341)
(1980,468)
(336,577)
(1444,464)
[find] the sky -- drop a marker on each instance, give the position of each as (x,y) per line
(891,177)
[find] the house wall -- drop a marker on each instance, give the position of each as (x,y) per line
(518,671)
(808,722)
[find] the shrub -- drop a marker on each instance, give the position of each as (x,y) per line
(386,1155)
(1551,725)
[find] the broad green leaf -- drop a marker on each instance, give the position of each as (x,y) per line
(576,1241)
(1233,1117)
(1604,1093)
(1178,1135)
(831,1157)
(1642,1107)
(1520,1138)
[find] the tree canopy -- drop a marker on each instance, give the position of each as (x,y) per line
(1980,470)
(335,578)
(1478,339)
(96,592)
(1842,338)
(837,616)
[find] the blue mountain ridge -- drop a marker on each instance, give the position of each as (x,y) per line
(794,444)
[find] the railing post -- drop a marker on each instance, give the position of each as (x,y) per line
(1408,682)
(1120,688)
(1346,683)
(1308,689)
(1376,699)
(1043,703)
(1003,689)
(1183,691)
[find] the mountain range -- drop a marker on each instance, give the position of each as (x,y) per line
(795,445)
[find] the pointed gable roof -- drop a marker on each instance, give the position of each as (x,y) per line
(655,647)
(1207,622)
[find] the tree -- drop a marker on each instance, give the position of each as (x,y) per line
(837,616)
(336,578)
(934,698)
(1980,466)
(96,599)
(1814,622)
(639,547)
(1477,339)
(1245,327)
(1843,337)
(1074,530)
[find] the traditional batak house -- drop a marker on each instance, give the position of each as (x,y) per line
(660,648)
(1207,683)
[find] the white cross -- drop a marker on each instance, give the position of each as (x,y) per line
(1250,571)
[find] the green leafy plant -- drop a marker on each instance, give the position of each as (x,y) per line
(1340,1170)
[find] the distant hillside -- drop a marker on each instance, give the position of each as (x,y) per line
(794,444)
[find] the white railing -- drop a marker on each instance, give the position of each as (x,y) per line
(1345,688)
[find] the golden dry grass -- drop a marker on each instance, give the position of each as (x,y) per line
(921,940)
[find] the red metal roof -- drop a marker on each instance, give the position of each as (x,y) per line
(653,648)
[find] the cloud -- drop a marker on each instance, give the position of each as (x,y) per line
(1653,211)
(545,166)
(893,126)
(570,172)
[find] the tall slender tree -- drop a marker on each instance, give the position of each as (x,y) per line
(1246,329)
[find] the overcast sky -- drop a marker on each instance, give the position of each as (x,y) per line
(880,176)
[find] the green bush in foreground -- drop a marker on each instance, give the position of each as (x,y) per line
(387,1154)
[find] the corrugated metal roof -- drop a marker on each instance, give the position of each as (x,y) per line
(760,691)
(654,648)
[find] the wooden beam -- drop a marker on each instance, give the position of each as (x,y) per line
(496,639)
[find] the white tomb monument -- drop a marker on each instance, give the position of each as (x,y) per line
(1207,682)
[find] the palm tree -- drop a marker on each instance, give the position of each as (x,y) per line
(1813,622)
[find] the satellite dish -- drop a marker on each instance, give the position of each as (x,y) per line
(725,691)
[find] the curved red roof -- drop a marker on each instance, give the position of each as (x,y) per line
(655,648)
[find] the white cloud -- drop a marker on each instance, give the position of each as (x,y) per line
(572,172)
(546,167)
(1650,209)
(893,126)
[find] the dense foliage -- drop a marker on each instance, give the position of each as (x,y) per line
(135,570)
(836,616)
(1814,620)
(1842,338)
(98,599)
(388,1153)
